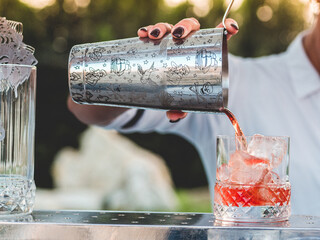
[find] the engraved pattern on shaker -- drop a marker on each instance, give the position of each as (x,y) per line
(206,89)
(75,77)
(89,95)
(96,53)
(132,51)
(177,72)
(78,97)
(197,89)
(94,75)
(146,75)
(74,52)
(103,98)
(177,49)
(119,66)
(205,59)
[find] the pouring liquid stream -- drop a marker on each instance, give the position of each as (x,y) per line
(241,139)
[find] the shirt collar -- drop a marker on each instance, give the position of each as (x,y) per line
(305,78)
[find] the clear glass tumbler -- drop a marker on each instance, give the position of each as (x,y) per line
(252,184)
(17,125)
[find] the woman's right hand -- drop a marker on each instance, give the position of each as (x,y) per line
(180,31)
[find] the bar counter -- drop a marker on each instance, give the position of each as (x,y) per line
(149,225)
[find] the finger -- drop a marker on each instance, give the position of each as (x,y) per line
(184,27)
(159,30)
(176,115)
(232,27)
(143,32)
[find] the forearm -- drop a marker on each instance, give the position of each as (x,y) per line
(94,115)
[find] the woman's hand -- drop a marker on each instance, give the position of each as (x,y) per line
(179,31)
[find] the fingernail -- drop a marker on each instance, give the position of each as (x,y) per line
(155,32)
(178,32)
(174,121)
(143,29)
(235,26)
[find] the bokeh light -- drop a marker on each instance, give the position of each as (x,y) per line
(264,13)
(173,3)
(38,4)
(82,3)
(69,6)
(235,6)
(201,8)
(59,44)
(72,6)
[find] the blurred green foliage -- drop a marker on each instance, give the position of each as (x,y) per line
(53,30)
(194,200)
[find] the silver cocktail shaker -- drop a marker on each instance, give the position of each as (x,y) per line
(189,74)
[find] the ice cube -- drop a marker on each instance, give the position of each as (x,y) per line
(272,148)
(223,172)
(247,169)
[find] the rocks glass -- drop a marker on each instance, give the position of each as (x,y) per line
(252,185)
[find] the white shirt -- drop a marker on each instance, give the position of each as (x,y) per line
(278,95)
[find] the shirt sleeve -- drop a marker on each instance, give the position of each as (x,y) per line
(122,119)
(195,128)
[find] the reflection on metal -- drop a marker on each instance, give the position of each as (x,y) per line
(190,74)
(143,225)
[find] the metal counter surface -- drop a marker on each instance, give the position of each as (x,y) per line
(146,225)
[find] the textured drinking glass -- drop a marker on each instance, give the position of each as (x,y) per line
(252,185)
(189,74)
(17,123)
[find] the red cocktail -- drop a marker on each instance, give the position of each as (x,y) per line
(252,183)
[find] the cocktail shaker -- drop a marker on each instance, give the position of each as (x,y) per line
(189,74)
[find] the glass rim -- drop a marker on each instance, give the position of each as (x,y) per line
(250,136)
(18,65)
(230,183)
